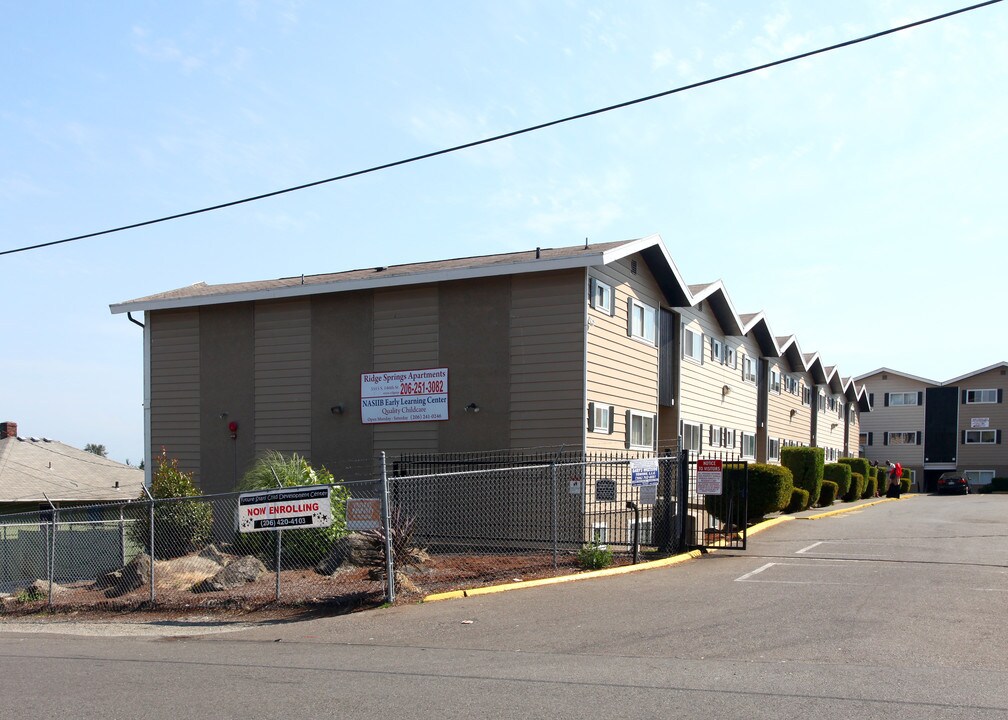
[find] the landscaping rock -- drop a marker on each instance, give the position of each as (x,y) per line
(349,551)
(210,552)
(133,576)
(236,573)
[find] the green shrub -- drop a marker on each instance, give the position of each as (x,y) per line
(769,492)
(180,526)
(806,466)
(905,483)
(301,548)
(999,484)
(827,494)
(871,488)
(857,488)
(799,500)
(872,473)
(857,465)
(593,556)
(840,473)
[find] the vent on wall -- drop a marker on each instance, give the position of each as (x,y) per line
(884,376)
(633,267)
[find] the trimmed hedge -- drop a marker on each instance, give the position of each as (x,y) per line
(857,465)
(871,488)
(872,473)
(806,466)
(857,488)
(799,500)
(905,483)
(769,491)
(840,473)
(827,494)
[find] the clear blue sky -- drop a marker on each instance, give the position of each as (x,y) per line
(857,197)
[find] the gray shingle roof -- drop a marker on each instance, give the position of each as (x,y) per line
(32,469)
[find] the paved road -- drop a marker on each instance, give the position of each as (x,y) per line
(893,611)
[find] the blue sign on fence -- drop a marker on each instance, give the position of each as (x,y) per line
(644,472)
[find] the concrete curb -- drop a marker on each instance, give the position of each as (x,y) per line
(622,570)
(841,511)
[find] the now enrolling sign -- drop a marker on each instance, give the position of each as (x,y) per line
(285,509)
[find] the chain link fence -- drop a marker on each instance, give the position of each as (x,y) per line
(446,522)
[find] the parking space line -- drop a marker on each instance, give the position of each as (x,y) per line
(754,572)
(806,549)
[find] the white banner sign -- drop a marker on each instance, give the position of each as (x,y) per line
(979,422)
(285,508)
(404,396)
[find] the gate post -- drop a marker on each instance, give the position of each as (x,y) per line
(682,493)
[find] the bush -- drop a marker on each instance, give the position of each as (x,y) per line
(769,492)
(799,500)
(594,557)
(806,466)
(872,473)
(301,548)
(857,488)
(871,488)
(905,483)
(840,473)
(180,526)
(857,465)
(828,493)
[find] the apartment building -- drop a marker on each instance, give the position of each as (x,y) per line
(933,427)
(591,348)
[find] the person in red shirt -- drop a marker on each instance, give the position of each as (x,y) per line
(895,473)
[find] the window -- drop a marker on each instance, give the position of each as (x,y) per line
(605,490)
(714,436)
(790,384)
(775,381)
(806,395)
(642,321)
(863,439)
(980,437)
(981,396)
(600,418)
(748,369)
(729,357)
(902,438)
(601,296)
(748,445)
(773,449)
(692,345)
(905,398)
(640,430)
(979,477)
(600,533)
(691,437)
(716,351)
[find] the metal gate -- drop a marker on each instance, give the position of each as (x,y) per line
(713,511)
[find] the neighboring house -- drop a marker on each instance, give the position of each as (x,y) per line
(931,427)
(35,471)
(595,348)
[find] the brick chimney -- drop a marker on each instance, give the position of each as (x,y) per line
(8,429)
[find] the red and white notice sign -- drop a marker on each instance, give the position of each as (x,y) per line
(709,477)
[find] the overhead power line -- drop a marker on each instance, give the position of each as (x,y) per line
(511,134)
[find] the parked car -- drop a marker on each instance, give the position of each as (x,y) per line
(953,482)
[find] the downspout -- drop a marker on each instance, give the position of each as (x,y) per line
(148,459)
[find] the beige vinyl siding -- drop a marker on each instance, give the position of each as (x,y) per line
(175,387)
(547,348)
(621,371)
(701,386)
(984,457)
(830,430)
(904,418)
(781,424)
(406,338)
(283,376)
(854,434)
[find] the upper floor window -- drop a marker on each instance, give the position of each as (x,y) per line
(601,296)
(600,418)
(716,350)
(692,345)
(642,322)
(691,434)
(903,398)
(806,395)
(903,438)
(640,430)
(748,369)
(981,396)
(791,384)
(980,437)
(730,357)
(775,381)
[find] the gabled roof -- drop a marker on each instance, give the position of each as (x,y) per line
(815,368)
(981,371)
(720,304)
(890,371)
(32,469)
(756,324)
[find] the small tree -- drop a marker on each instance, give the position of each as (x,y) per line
(180,526)
(96,449)
(806,466)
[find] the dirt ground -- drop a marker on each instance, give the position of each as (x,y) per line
(303,592)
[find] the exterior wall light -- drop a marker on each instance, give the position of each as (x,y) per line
(472,407)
